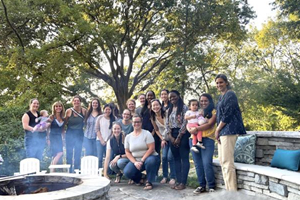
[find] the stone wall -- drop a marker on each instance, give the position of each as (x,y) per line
(268,141)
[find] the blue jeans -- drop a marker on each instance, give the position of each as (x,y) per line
(121,164)
(204,163)
(150,165)
(90,146)
(74,139)
(35,143)
(167,158)
(101,149)
(181,156)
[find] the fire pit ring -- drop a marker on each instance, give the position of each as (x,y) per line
(85,188)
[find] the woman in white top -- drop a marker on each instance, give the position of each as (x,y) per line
(103,129)
(158,120)
(140,150)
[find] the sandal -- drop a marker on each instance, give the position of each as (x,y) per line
(148,186)
(180,187)
(143,180)
(174,186)
(163,181)
(172,181)
(130,182)
(118,178)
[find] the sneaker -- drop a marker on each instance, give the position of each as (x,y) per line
(211,190)
(194,149)
(200,145)
(199,190)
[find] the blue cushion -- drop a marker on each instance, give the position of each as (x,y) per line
(286,159)
(244,151)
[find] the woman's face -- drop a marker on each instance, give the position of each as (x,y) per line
(137,123)
(58,108)
(76,102)
(149,96)
(126,115)
(131,106)
(95,104)
(173,98)
(116,129)
(155,106)
(35,104)
(142,99)
(107,111)
(221,84)
(164,96)
(204,102)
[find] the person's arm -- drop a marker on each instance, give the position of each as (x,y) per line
(25,123)
(155,128)
(97,129)
(211,122)
(106,163)
(184,123)
(151,149)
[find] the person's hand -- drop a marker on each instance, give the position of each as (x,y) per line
(195,116)
(163,143)
(103,142)
(177,142)
(138,165)
(217,136)
(114,161)
(106,176)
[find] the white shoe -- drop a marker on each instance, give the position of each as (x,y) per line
(194,149)
(200,145)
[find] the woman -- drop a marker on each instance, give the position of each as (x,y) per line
(179,137)
(115,146)
(90,135)
(34,141)
(229,125)
(125,122)
(158,121)
(139,149)
(131,105)
(103,129)
(74,134)
(142,100)
(56,132)
(164,96)
(204,159)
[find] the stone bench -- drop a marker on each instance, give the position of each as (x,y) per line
(263,180)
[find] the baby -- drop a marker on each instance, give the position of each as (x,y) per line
(195,118)
(43,119)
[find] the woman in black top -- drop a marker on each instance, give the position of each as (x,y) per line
(34,141)
(230,124)
(116,146)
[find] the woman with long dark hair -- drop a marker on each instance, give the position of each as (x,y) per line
(204,159)
(164,97)
(103,128)
(230,125)
(179,137)
(90,135)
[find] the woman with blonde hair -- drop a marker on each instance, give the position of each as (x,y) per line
(55,133)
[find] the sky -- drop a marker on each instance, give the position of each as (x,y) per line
(263,11)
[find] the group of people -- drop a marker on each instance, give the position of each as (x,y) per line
(158,131)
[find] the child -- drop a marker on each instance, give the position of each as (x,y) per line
(195,118)
(43,119)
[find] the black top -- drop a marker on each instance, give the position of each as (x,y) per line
(146,123)
(32,118)
(118,148)
(228,111)
(55,129)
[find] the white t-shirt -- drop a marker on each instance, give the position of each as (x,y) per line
(191,113)
(137,145)
(103,124)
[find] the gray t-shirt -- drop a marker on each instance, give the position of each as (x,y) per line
(126,128)
(137,145)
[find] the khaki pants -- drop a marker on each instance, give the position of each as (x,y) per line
(226,157)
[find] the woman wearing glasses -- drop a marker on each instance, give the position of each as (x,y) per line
(139,148)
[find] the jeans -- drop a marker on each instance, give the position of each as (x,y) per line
(121,164)
(90,146)
(167,158)
(74,139)
(204,163)
(101,149)
(181,156)
(150,165)
(157,143)
(35,143)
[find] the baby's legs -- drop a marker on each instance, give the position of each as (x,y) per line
(195,140)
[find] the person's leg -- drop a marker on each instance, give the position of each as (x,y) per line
(100,152)
(171,162)
(29,145)
(199,136)
(165,160)
(194,135)
(87,146)
(131,172)
(227,155)
(207,160)
(151,164)
(78,149)
(121,163)
(184,154)
(157,149)
(69,148)
(177,158)
(197,157)
(94,147)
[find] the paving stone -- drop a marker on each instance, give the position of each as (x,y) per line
(293,196)
(278,188)
(261,179)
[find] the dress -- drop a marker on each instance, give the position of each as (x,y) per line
(56,144)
